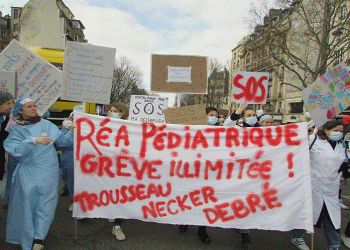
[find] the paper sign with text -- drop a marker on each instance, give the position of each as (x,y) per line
(188,115)
(250,87)
(8,82)
(180,74)
(329,95)
(36,78)
(144,108)
(225,177)
(88,73)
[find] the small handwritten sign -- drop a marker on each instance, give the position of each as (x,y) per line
(145,108)
(329,95)
(188,115)
(250,87)
(37,78)
(88,73)
(8,82)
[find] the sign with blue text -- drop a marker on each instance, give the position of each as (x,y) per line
(87,73)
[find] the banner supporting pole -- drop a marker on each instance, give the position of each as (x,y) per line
(312,241)
(76,228)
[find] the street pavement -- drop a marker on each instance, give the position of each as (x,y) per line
(96,234)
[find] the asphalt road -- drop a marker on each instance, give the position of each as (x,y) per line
(96,234)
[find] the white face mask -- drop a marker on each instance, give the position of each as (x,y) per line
(114,115)
(335,136)
(251,120)
(212,120)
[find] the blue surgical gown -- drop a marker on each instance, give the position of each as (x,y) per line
(34,191)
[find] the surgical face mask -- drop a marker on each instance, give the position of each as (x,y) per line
(335,136)
(114,115)
(251,120)
(212,120)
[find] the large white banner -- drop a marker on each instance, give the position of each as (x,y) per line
(228,177)
(144,108)
(36,77)
(88,73)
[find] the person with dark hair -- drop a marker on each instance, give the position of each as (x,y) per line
(212,115)
(6,104)
(249,119)
(34,191)
(327,156)
(247,114)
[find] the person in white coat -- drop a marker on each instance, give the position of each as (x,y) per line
(34,188)
(327,158)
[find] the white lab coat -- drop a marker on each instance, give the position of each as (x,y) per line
(325,163)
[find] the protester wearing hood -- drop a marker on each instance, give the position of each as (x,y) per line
(6,104)
(327,156)
(35,179)
(67,156)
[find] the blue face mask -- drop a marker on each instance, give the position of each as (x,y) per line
(251,120)
(212,120)
(336,136)
(114,115)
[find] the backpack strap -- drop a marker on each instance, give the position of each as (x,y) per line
(313,142)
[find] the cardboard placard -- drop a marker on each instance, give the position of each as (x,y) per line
(88,73)
(329,95)
(8,82)
(37,78)
(180,74)
(144,108)
(187,115)
(250,87)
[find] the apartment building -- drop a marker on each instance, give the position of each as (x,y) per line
(5,31)
(45,24)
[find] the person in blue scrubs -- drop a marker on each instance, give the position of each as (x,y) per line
(67,155)
(34,191)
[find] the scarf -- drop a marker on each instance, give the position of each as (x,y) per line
(21,121)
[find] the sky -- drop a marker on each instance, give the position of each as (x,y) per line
(140,28)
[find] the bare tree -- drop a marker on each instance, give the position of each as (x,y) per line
(127,80)
(316,39)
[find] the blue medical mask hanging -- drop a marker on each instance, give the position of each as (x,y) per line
(336,136)
(251,120)
(114,115)
(212,120)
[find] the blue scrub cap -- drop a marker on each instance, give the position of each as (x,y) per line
(18,105)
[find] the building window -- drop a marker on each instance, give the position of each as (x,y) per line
(15,14)
(269,91)
(3,34)
(339,57)
(15,27)
(77,38)
(296,107)
(248,59)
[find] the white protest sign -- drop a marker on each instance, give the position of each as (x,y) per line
(179,74)
(37,78)
(250,87)
(226,177)
(145,108)
(329,95)
(88,73)
(8,82)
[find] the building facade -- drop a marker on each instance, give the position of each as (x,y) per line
(5,31)
(45,24)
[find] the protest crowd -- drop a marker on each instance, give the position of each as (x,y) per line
(32,170)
